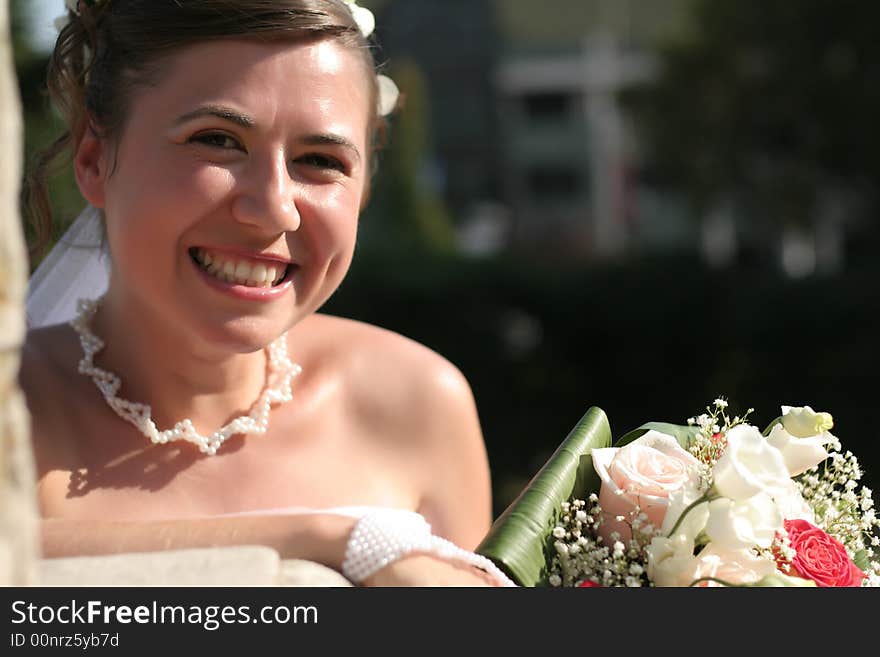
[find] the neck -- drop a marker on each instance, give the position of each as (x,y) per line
(178,376)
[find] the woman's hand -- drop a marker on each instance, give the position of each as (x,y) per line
(425,570)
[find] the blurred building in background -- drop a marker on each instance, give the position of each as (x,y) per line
(454,43)
(538,148)
(571,155)
(532,148)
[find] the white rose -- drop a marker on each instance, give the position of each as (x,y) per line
(749,465)
(695,520)
(732,566)
(641,474)
(671,561)
(734,525)
(792,504)
(800,453)
(804,422)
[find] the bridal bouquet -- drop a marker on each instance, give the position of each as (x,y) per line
(715,502)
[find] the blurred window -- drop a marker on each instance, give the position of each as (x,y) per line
(553,182)
(548,107)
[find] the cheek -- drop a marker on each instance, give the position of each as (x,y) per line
(343,236)
(204,190)
(333,223)
(172,200)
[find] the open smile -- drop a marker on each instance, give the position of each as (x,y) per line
(245,277)
(240,270)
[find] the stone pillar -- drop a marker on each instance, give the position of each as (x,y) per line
(18,502)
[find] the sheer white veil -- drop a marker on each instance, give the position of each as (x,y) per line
(77,267)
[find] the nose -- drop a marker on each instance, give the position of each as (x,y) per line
(268,197)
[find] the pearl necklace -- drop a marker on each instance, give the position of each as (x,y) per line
(276,391)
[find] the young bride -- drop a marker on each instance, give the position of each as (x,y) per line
(202,400)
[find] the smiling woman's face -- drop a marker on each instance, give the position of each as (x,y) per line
(233,193)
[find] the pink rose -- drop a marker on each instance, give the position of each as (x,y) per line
(641,474)
(820,557)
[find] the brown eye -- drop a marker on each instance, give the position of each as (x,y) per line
(217,140)
(320,161)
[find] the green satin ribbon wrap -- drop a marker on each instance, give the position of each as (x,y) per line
(518,541)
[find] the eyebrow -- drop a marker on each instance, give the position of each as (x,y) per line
(246,121)
(220,112)
(331,140)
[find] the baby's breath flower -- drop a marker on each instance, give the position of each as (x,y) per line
(841,507)
(581,556)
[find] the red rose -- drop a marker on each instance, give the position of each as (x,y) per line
(820,557)
(589,584)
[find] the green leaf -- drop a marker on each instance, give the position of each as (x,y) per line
(861,560)
(518,541)
(684,434)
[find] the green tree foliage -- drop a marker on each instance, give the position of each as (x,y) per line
(409,212)
(42,124)
(768,100)
(30,64)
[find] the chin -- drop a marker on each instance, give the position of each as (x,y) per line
(243,335)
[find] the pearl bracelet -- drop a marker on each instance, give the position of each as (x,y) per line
(384,536)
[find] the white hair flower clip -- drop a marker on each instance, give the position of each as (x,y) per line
(388,95)
(388,91)
(364,18)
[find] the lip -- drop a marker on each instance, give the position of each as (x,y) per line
(246,293)
(248,255)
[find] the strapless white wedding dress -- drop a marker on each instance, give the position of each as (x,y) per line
(348,511)
(436,545)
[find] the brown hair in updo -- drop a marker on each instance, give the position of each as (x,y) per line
(113,47)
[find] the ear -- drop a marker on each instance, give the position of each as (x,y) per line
(90,166)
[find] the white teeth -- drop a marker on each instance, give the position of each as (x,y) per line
(240,272)
(243,271)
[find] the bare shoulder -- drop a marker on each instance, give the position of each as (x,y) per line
(386,372)
(49,358)
(48,374)
(416,402)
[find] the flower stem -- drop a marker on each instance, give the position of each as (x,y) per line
(703,498)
